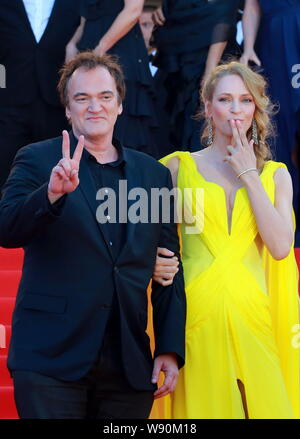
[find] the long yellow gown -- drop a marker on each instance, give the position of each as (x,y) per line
(242,310)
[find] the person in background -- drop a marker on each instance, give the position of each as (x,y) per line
(34,37)
(272,41)
(113,27)
(147,26)
(239,30)
(191,39)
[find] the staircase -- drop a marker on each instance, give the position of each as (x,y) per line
(10,273)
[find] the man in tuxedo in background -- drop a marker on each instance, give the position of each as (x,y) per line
(33,39)
(147,26)
(79,347)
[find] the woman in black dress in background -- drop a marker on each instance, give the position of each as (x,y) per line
(194,37)
(272,38)
(111,26)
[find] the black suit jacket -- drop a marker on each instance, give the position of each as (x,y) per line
(31,67)
(69,273)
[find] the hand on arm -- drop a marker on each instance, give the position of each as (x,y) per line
(123,23)
(166,267)
(71,48)
(158,17)
(251,19)
(166,363)
(213,58)
(169,302)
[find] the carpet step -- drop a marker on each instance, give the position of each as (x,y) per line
(7,403)
(5,378)
(9,282)
(11,259)
(5,334)
(6,309)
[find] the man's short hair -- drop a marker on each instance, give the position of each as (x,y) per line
(89,61)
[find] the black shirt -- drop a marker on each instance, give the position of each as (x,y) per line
(108,175)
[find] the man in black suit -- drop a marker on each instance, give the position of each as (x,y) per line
(34,35)
(79,347)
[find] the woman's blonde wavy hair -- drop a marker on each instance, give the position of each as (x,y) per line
(256,85)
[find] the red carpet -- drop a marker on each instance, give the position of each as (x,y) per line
(10,272)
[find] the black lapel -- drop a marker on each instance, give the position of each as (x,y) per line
(88,190)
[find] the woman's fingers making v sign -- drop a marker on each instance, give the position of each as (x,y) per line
(241,156)
(64,177)
(235,125)
(241,133)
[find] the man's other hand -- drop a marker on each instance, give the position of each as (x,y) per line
(166,363)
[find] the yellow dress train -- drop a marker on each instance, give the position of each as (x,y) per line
(242,310)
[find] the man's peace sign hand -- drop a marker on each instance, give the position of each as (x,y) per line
(64,176)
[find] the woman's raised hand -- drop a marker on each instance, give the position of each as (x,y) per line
(241,154)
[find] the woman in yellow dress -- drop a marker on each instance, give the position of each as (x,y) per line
(242,332)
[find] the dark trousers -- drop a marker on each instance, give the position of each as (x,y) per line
(26,124)
(102,394)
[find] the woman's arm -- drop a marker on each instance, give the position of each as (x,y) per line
(225,20)
(125,21)
(250,22)
(71,49)
(274,223)
(166,265)
(214,56)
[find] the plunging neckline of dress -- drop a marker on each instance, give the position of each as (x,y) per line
(228,219)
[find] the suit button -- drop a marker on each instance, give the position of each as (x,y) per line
(104,305)
(38,212)
(116,269)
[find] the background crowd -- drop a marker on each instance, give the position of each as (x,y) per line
(166,48)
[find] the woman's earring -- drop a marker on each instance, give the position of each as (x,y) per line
(210,138)
(254,132)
